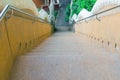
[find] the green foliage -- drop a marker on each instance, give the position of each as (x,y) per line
(67,11)
(39,9)
(55,13)
(78,5)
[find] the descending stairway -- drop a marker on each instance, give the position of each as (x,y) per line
(67,56)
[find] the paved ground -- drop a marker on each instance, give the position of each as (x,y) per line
(60,20)
(67,56)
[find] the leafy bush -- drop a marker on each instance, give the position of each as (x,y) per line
(55,13)
(39,9)
(67,13)
(78,5)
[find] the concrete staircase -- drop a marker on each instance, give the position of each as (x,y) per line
(67,56)
(63,28)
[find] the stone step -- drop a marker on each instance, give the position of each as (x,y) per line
(67,56)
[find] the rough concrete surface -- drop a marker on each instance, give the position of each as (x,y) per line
(67,56)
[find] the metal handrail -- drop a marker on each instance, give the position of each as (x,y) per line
(10,7)
(98,13)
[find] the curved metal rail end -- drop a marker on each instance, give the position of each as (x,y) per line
(10,7)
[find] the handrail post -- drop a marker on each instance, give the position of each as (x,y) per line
(86,21)
(34,20)
(98,18)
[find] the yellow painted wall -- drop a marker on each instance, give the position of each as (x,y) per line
(107,31)
(17,36)
(6,59)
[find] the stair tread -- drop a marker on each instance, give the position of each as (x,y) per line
(67,56)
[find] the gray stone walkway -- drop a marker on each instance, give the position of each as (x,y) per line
(67,56)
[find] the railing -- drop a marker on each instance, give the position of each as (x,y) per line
(95,15)
(12,8)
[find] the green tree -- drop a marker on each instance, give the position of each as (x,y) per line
(67,11)
(78,5)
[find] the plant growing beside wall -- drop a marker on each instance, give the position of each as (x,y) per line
(55,13)
(39,9)
(67,11)
(77,6)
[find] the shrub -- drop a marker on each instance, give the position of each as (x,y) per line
(78,5)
